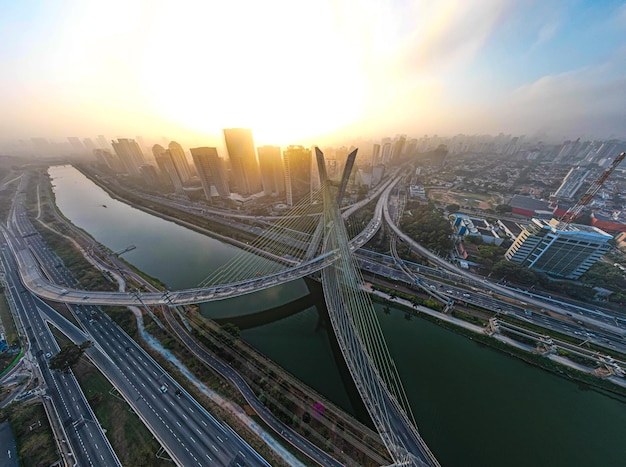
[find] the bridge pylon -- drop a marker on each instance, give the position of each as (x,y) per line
(360,338)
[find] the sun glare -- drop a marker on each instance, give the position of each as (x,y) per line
(245,72)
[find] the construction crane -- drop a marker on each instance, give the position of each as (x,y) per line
(573,212)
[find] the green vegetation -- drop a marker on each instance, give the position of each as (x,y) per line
(231,329)
(35,443)
(10,331)
(532,358)
(123,317)
(488,255)
(414,299)
(68,356)
(607,276)
(426,225)
(511,272)
(87,275)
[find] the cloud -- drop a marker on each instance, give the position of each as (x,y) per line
(546,32)
(588,100)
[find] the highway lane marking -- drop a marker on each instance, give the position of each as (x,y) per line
(209,457)
(204,423)
(221,440)
(191,438)
(178,423)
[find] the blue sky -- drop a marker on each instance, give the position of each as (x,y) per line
(312,71)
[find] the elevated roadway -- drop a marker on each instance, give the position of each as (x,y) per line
(34,281)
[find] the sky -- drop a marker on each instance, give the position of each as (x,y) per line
(312,71)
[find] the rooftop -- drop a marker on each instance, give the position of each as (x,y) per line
(531,204)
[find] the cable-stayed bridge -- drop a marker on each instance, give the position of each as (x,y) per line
(283,252)
(301,245)
(360,338)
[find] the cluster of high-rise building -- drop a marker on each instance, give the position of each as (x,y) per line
(248,171)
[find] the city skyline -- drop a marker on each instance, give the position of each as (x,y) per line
(365,70)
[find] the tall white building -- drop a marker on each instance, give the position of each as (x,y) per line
(562,250)
(572,182)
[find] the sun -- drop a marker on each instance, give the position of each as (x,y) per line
(212,77)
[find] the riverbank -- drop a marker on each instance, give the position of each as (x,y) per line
(300,394)
(461,392)
(555,364)
(139,203)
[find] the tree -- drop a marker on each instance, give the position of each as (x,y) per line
(453,207)
(502,208)
(231,329)
(68,356)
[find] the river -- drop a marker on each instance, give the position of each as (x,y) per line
(474,406)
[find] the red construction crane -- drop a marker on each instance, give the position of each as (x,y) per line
(573,212)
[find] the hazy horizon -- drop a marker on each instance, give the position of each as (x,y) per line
(312,72)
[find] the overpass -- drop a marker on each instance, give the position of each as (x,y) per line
(35,282)
(351,313)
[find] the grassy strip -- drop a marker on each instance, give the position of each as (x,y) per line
(13,362)
(10,331)
(215,382)
(33,435)
(131,440)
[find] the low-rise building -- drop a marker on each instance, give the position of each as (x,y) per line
(466,226)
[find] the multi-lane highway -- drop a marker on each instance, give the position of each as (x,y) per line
(87,442)
(185,429)
(569,325)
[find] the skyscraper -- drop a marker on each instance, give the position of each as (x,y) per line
(89,144)
(165,163)
(130,154)
(77,146)
(243,161)
(158,152)
(180,161)
(104,157)
(386,151)
(102,142)
(211,171)
(272,170)
(376,155)
(563,250)
(572,182)
(297,160)
(398,147)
